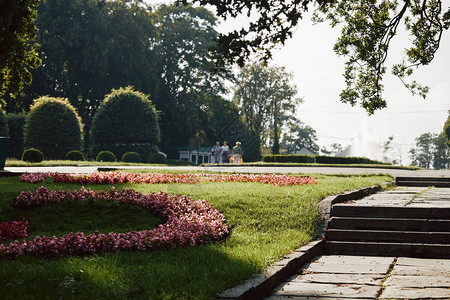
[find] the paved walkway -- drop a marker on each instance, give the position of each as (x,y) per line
(362,277)
(241,169)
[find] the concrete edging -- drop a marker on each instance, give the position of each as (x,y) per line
(260,285)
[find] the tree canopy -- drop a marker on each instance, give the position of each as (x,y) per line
(368,28)
(17,45)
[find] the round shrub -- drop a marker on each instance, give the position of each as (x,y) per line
(157,158)
(54,126)
(33,155)
(106,156)
(76,155)
(125,121)
(131,157)
(3,125)
(16,122)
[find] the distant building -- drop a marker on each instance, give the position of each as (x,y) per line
(202,155)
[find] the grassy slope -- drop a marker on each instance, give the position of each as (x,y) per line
(266,223)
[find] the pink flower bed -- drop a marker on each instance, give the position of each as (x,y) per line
(187,222)
(119,177)
(14,230)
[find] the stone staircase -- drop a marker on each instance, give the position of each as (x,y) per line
(389,231)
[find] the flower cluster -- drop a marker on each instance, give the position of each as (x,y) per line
(14,230)
(188,222)
(153,178)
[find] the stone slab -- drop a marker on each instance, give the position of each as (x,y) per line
(395,292)
(404,281)
(367,279)
(438,263)
(353,259)
(336,268)
(424,270)
(281,297)
(327,290)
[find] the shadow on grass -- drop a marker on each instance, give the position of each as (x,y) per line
(188,272)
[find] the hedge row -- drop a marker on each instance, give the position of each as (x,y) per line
(320,159)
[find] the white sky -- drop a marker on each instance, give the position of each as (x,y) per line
(318,75)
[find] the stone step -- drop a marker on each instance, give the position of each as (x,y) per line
(389,224)
(402,212)
(388,236)
(387,249)
(423,181)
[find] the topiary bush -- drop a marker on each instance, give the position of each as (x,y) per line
(106,156)
(54,126)
(16,122)
(33,155)
(4,131)
(131,157)
(76,155)
(125,121)
(157,158)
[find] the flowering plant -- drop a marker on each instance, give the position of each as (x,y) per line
(187,222)
(119,177)
(14,230)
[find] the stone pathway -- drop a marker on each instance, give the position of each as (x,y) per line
(365,277)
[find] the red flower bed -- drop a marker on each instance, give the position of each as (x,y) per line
(14,230)
(187,222)
(119,177)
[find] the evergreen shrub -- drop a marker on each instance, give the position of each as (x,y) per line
(4,132)
(33,155)
(54,126)
(131,157)
(106,156)
(126,121)
(75,155)
(16,122)
(157,158)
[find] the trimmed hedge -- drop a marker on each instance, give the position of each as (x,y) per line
(4,132)
(302,158)
(157,158)
(75,155)
(54,126)
(106,156)
(126,121)
(33,155)
(321,159)
(16,123)
(131,157)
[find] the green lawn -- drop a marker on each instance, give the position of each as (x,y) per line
(266,222)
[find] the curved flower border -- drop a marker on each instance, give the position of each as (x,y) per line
(154,178)
(187,222)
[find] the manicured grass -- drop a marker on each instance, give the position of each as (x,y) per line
(266,222)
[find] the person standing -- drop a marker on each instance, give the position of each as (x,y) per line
(237,153)
(225,152)
(217,152)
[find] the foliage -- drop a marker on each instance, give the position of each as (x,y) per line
(106,156)
(368,28)
(156,158)
(4,130)
(126,120)
(446,132)
(18,49)
(265,96)
(335,150)
(430,151)
(322,159)
(289,158)
(75,155)
(131,157)
(53,125)
(33,155)
(16,123)
(298,136)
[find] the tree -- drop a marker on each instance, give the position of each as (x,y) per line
(430,151)
(17,45)
(387,146)
(335,150)
(446,132)
(266,97)
(298,136)
(369,27)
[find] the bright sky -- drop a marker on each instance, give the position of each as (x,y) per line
(318,75)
